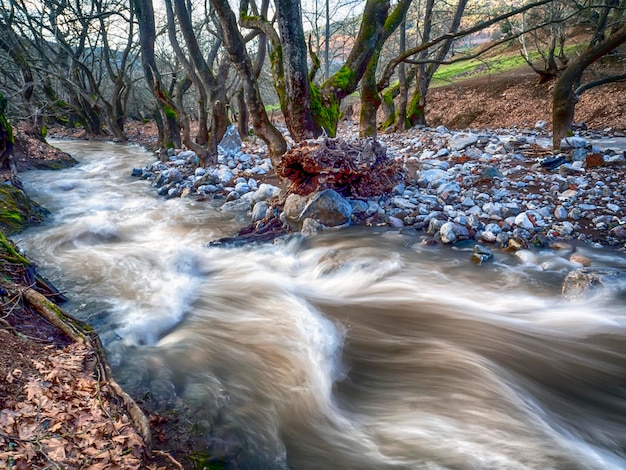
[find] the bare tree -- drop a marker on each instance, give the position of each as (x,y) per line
(568,88)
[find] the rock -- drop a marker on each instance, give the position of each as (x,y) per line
(525,221)
(358,207)
(173,174)
(447,232)
(434,226)
(573,143)
(231,142)
(232,196)
(402,203)
(618,232)
(238,205)
(265,192)
(311,227)
(552,163)
(395,222)
(560,213)
(327,207)
(568,195)
(188,156)
(427,177)
(225,175)
(541,125)
(613,207)
(579,155)
(200,171)
(480,254)
(582,282)
(462,142)
(137,172)
(242,188)
(526,256)
(491,172)
(259,211)
(580,259)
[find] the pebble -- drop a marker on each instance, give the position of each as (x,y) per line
(466,186)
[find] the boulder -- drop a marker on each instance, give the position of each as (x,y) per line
(582,282)
(326,207)
(231,142)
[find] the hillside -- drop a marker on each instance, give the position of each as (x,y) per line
(514,99)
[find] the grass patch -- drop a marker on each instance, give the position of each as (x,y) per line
(498,63)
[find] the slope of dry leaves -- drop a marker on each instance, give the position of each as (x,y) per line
(63,418)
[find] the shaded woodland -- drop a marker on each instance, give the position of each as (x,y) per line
(101,63)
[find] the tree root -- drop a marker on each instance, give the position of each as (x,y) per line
(79,332)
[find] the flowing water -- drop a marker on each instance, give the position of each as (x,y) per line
(354,349)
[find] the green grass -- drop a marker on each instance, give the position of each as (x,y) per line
(447,74)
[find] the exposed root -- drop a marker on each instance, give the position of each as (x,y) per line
(358,168)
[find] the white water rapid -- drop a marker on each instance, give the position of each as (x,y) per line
(353,349)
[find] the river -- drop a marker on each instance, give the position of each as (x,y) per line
(354,349)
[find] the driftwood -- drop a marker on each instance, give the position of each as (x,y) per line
(77,331)
(359,168)
(262,231)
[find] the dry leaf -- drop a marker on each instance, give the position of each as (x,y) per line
(55,448)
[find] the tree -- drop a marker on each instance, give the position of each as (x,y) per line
(307,107)
(235,46)
(567,89)
(429,54)
(6,134)
(167,109)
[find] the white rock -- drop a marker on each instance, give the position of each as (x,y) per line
(522,220)
(448,232)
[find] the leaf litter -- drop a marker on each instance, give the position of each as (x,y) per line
(65,418)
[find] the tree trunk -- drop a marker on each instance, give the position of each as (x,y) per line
(147,37)
(298,110)
(564,98)
(370,100)
(403,89)
(6,135)
(233,42)
(242,115)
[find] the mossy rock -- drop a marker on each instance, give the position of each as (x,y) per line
(18,211)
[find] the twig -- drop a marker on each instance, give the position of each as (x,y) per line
(167,454)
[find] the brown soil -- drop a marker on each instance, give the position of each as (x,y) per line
(515,99)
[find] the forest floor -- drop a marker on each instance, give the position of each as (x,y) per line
(38,358)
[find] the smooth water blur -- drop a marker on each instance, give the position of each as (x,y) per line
(353,349)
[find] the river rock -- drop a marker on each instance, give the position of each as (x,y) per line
(427,177)
(618,232)
(480,254)
(573,142)
(238,205)
(463,141)
(582,282)
(265,192)
(327,207)
(451,232)
(231,142)
(259,211)
(524,221)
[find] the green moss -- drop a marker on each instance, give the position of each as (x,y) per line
(325,112)
(204,461)
(9,253)
(342,79)
(388,100)
(413,109)
(17,211)
(170,112)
